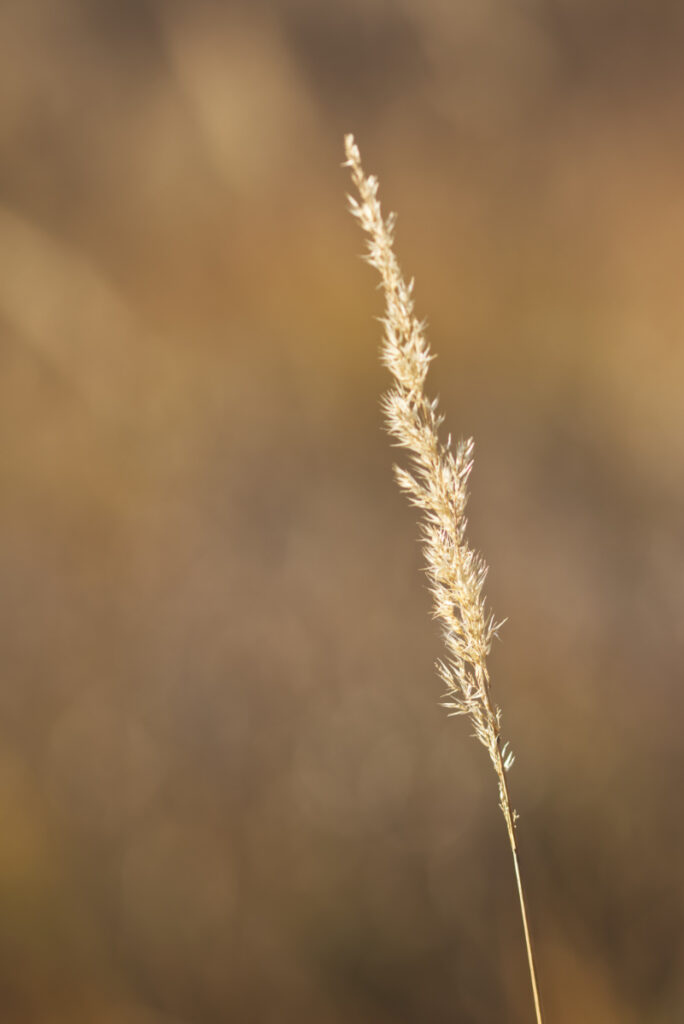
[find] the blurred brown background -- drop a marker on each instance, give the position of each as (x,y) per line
(226,790)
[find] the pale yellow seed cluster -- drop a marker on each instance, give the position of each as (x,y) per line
(436,484)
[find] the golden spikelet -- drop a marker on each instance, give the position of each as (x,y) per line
(437,484)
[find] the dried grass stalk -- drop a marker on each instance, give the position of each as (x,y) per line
(437,484)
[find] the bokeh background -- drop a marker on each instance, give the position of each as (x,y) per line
(227,792)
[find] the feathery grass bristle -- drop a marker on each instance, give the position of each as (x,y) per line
(436,483)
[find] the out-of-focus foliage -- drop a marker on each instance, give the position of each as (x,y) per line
(226,790)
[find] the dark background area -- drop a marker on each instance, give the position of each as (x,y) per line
(227,792)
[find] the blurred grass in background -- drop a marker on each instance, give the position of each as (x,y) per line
(226,790)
